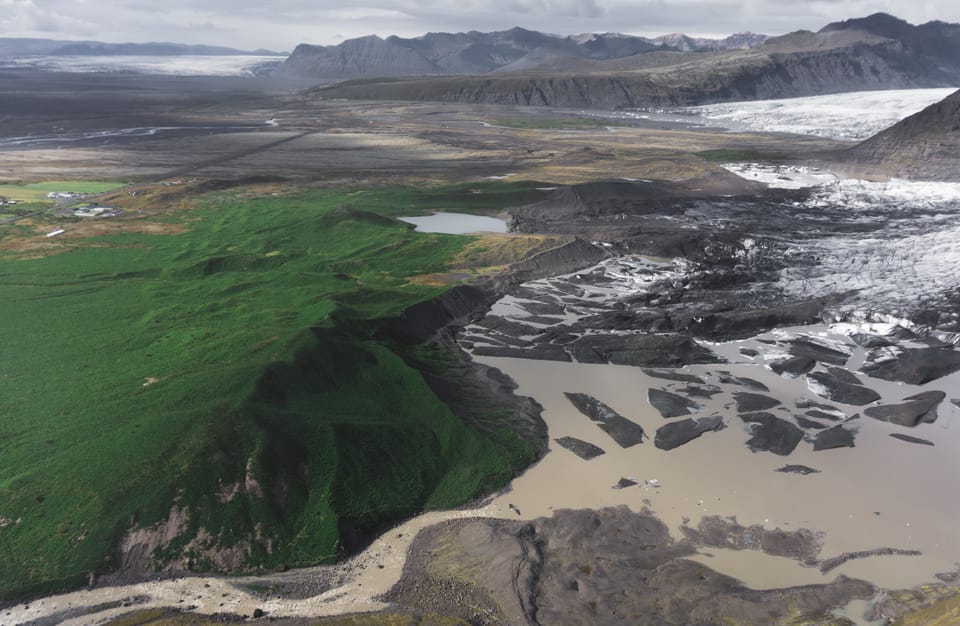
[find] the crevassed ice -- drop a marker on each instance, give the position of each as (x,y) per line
(850,116)
(911,252)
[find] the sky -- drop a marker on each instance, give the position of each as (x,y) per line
(281,24)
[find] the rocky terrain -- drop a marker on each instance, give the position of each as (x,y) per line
(610,566)
(925,146)
(743,265)
(473,52)
(877,52)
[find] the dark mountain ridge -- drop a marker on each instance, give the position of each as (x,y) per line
(517,49)
(924,146)
(876,52)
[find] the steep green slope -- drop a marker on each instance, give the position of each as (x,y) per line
(218,399)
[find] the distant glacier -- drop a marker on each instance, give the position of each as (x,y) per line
(180,65)
(852,116)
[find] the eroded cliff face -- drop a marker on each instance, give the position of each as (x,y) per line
(517,49)
(747,75)
(879,52)
(365,56)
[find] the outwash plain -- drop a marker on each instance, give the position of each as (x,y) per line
(248,391)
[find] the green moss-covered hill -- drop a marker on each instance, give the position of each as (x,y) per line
(219,399)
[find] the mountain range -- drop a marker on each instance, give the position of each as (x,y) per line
(12,47)
(474,52)
(605,70)
(611,71)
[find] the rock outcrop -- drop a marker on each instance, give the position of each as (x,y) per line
(513,50)
(610,566)
(675,434)
(625,432)
(924,146)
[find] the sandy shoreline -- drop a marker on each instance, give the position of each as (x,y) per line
(354,586)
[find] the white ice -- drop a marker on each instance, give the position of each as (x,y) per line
(782,176)
(850,116)
(912,256)
(186,65)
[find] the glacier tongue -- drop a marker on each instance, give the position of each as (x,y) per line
(900,242)
(852,116)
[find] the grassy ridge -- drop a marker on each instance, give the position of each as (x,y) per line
(146,372)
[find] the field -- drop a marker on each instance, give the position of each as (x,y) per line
(226,367)
(37,192)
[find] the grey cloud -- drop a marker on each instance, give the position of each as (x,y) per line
(42,18)
(554,8)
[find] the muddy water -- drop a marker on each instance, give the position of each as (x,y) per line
(910,486)
(778,571)
(881,493)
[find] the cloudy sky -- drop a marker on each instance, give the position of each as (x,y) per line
(281,24)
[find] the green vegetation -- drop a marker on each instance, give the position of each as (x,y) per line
(37,192)
(18,210)
(942,613)
(232,374)
(928,605)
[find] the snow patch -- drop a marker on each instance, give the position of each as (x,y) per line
(782,176)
